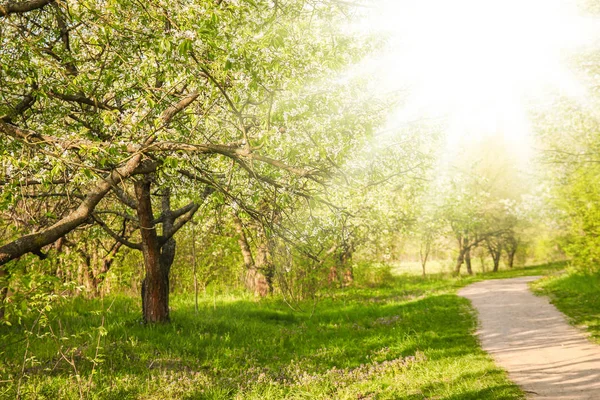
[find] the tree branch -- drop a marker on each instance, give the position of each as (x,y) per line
(124,197)
(22,7)
(179,224)
(176,108)
(25,104)
(36,241)
(76,98)
(175,214)
(117,237)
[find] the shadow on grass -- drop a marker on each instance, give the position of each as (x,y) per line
(232,343)
(231,338)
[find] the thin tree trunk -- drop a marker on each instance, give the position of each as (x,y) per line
(511,250)
(459,262)
(468,260)
(461,255)
(495,252)
(167,250)
(424,253)
(346,262)
(511,258)
(107,262)
(496,259)
(3,291)
(263,284)
(194,268)
(332,278)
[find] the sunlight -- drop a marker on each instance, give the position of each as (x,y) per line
(478,65)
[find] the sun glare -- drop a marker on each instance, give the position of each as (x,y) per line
(478,64)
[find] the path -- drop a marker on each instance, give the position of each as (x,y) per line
(532,340)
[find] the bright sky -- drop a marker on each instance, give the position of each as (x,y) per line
(478,64)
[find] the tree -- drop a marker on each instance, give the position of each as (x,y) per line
(113,104)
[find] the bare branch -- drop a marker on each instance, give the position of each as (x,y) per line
(117,237)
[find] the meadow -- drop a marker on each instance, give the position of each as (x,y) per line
(405,337)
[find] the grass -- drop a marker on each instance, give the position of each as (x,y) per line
(409,339)
(576,294)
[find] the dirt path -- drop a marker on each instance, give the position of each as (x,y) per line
(531,339)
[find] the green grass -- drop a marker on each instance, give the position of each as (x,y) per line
(576,294)
(410,339)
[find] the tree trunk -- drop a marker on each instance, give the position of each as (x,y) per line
(495,251)
(511,250)
(424,253)
(511,258)
(255,281)
(462,249)
(346,262)
(459,262)
(496,264)
(264,268)
(332,278)
(468,260)
(155,286)
(167,250)
(194,268)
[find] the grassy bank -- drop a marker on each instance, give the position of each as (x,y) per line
(576,294)
(409,339)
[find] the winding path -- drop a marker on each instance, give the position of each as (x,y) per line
(532,340)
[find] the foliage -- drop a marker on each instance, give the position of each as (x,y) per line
(373,274)
(572,176)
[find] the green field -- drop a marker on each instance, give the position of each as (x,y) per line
(577,294)
(409,339)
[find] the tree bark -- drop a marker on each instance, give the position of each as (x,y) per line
(167,249)
(264,266)
(155,286)
(21,7)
